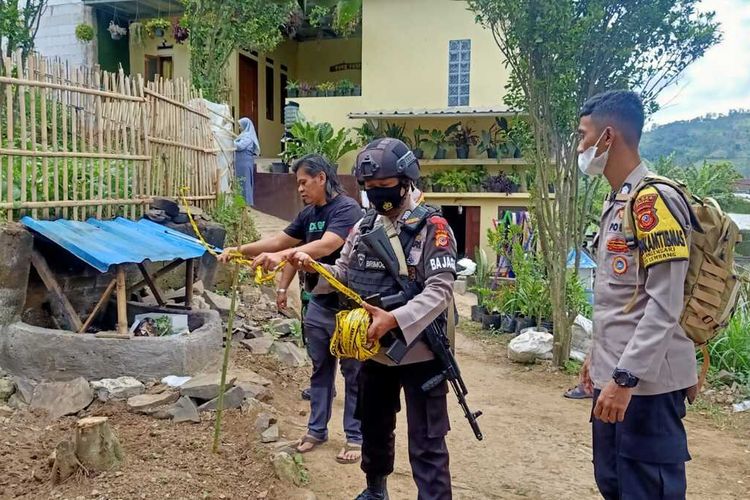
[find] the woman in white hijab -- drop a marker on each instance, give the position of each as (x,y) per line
(247,148)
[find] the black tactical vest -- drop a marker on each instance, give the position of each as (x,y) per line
(367,275)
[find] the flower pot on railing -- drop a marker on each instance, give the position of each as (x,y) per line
(418,153)
(279,168)
(462,152)
(440,154)
(492,153)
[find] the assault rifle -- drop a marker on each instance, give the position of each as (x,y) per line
(379,244)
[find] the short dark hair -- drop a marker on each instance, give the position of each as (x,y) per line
(622,108)
(315,164)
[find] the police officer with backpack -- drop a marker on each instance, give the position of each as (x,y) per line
(642,365)
(425,250)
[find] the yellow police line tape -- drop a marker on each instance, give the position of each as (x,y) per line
(349,339)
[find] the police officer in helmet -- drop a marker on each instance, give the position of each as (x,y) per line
(425,248)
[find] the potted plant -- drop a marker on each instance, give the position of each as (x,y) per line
(500,183)
(326,88)
(453,181)
(424,183)
(85,32)
(116,31)
(487,144)
(304,89)
(438,142)
(475,179)
(357,89)
(395,131)
(493,318)
(419,139)
(179,32)
(481,284)
(157,27)
(292,88)
(463,138)
(136,33)
(345,87)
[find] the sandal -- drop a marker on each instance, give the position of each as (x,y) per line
(577,392)
(308,439)
(350,448)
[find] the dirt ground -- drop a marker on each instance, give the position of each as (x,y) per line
(536,444)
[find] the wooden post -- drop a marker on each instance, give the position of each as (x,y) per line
(161,272)
(56,293)
(122,306)
(151,284)
(189,277)
(102,300)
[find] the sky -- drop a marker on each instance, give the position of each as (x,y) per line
(720,80)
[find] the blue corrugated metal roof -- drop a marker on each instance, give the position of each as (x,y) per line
(102,244)
(586,261)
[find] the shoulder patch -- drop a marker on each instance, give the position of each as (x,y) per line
(661,237)
(438,221)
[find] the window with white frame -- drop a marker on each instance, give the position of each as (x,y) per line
(459,70)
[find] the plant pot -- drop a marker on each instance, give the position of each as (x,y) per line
(508,324)
(462,152)
(477,312)
(437,188)
(524,323)
(492,153)
(279,168)
(159,32)
(440,154)
(292,93)
(357,90)
(449,189)
(418,153)
(491,321)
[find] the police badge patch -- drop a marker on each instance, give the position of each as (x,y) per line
(645,211)
(620,265)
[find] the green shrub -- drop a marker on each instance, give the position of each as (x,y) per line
(228,212)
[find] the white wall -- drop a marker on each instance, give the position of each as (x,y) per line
(56,36)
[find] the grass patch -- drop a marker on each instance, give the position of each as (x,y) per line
(572,367)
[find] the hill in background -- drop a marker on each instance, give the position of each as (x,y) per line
(714,138)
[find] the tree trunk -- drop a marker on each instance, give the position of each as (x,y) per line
(65,463)
(96,445)
(563,332)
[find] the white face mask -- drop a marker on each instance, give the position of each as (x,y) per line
(589,163)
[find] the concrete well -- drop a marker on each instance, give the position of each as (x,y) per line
(46,354)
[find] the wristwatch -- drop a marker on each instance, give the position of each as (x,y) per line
(281,290)
(624,378)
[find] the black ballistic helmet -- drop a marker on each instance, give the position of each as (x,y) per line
(385,158)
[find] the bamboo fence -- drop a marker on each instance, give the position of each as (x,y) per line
(79,142)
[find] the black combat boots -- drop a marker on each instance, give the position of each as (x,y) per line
(376,489)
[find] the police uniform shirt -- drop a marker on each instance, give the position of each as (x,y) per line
(647,340)
(433,258)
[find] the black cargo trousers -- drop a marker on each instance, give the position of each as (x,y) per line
(427,418)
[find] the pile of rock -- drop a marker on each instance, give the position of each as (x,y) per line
(163,210)
(200,394)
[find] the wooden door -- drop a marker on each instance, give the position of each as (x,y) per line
(473,222)
(249,89)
